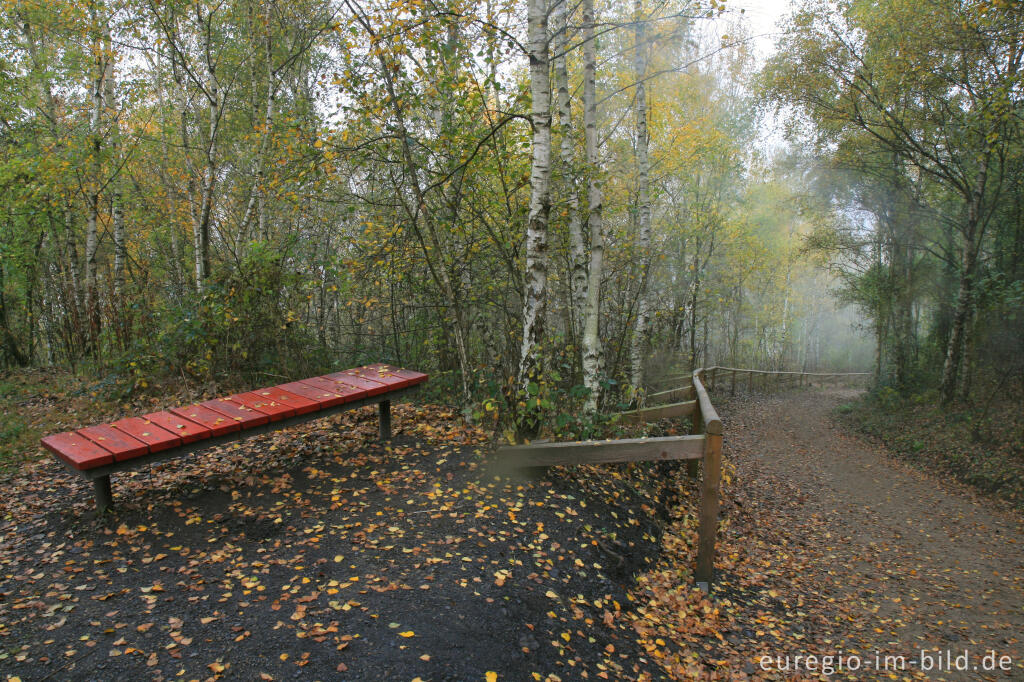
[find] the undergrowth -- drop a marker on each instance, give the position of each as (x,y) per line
(981,445)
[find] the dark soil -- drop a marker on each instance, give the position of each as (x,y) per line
(318,554)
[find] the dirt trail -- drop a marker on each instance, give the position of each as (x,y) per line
(915,563)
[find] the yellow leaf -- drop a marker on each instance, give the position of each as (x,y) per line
(407,633)
(491,676)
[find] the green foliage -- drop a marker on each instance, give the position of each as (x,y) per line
(981,446)
(244,325)
(357,191)
(12,435)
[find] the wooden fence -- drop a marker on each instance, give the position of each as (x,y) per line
(703,445)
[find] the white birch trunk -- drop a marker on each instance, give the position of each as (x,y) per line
(577,246)
(257,195)
(540,196)
(116,207)
(209,180)
(93,191)
(641,331)
(592,351)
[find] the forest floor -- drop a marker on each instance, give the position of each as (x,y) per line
(919,567)
(980,444)
(317,553)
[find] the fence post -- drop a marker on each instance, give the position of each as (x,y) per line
(709,491)
(697,426)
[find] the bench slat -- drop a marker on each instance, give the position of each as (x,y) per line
(246,417)
(218,423)
(120,444)
(411,376)
(189,431)
(76,450)
(155,437)
(301,405)
(272,408)
(370,386)
(322,397)
(380,375)
(347,391)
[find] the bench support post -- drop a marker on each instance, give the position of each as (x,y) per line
(385,420)
(104,500)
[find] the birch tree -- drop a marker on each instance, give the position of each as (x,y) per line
(567,157)
(536,280)
(641,330)
(592,351)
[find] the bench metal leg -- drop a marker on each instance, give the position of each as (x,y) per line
(104,500)
(385,420)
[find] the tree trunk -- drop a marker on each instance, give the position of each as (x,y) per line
(93,186)
(592,351)
(965,295)
(643,210)
(201,234)
(536,280)
(116,208)
(694,296)
(577,246)
(177,256)
(257,195)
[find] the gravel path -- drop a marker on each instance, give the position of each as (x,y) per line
(919,567)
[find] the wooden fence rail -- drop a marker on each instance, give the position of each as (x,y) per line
(703,445)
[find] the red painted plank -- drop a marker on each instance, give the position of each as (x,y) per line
(379,374)
(348,391)
(246,417)
(368,385)
(76,450)
(322,397)
(218,423)
(189,430)
(152,435)
(300,404)
(413,376)
(120,444)
(272,408)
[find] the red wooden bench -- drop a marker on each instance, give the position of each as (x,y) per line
(96,452)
